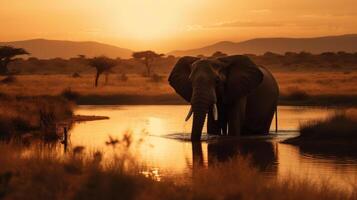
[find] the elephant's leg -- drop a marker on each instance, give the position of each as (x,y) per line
(269,119)
(224,126)
(223,122)
(234,125)
(236,117)
(213,127)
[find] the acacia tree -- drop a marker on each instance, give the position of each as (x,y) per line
(102,64)
(147,57)
(7,54)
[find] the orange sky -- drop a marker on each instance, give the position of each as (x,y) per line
(164,25)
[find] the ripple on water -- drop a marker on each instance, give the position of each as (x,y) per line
(205,137)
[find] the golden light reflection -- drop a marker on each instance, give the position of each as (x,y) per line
(166,157)
(295,164)
(146,124)
(156,126)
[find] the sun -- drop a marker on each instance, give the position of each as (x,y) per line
(146,20)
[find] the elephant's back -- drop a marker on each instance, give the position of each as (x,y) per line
(269,82)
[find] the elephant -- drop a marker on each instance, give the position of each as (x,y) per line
(238,96)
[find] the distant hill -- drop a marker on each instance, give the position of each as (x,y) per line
(259,46)
(42,48)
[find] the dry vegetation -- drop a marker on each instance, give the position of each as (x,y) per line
(294,86)
(39,115)
(340,128)
(27,85)
(34,103)
(42,174)
(305,79)
(318,83)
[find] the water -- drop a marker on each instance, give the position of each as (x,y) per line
(164,148)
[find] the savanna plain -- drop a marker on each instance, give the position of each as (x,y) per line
(39,96)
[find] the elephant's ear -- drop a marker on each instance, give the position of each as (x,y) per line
(242,75)
(179,77)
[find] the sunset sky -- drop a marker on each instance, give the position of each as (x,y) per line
(165,25)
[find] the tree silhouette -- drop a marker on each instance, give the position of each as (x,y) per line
(7,53)
(101,64)
(147,57)
(218,54)
(201,56)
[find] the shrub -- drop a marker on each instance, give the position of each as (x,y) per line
(9,79)
(156,78)
(297,95)
(6,128)
(144,74)
(69,94)
(335,66)
(123,77)
(336,127)
(3,95)
(21,125)
(76,75)
(40,114)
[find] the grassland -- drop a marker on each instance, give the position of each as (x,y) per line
(32,116)
(43,174)
(297,88)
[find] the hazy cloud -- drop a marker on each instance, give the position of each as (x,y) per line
(245,24)
(261,11)
(236,24)
(328,16)
(194,27)
(315,16)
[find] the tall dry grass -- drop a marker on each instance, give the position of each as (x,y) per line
(41,174)
(37,115)
(318,83)
(336,127)
(336,131)
(340,127)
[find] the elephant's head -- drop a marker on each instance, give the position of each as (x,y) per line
(203,82)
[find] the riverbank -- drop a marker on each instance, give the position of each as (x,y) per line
(38,116)
(35,116)
(339,130)
(174,99)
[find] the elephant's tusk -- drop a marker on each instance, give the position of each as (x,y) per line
(215,112)
(189,115)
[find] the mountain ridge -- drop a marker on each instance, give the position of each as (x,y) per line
(347,42)
(45,49)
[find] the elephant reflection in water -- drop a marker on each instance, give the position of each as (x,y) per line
(262,154)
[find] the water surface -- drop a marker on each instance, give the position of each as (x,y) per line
(162,128)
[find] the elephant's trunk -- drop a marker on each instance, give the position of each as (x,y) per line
(197,125)
(201,101)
